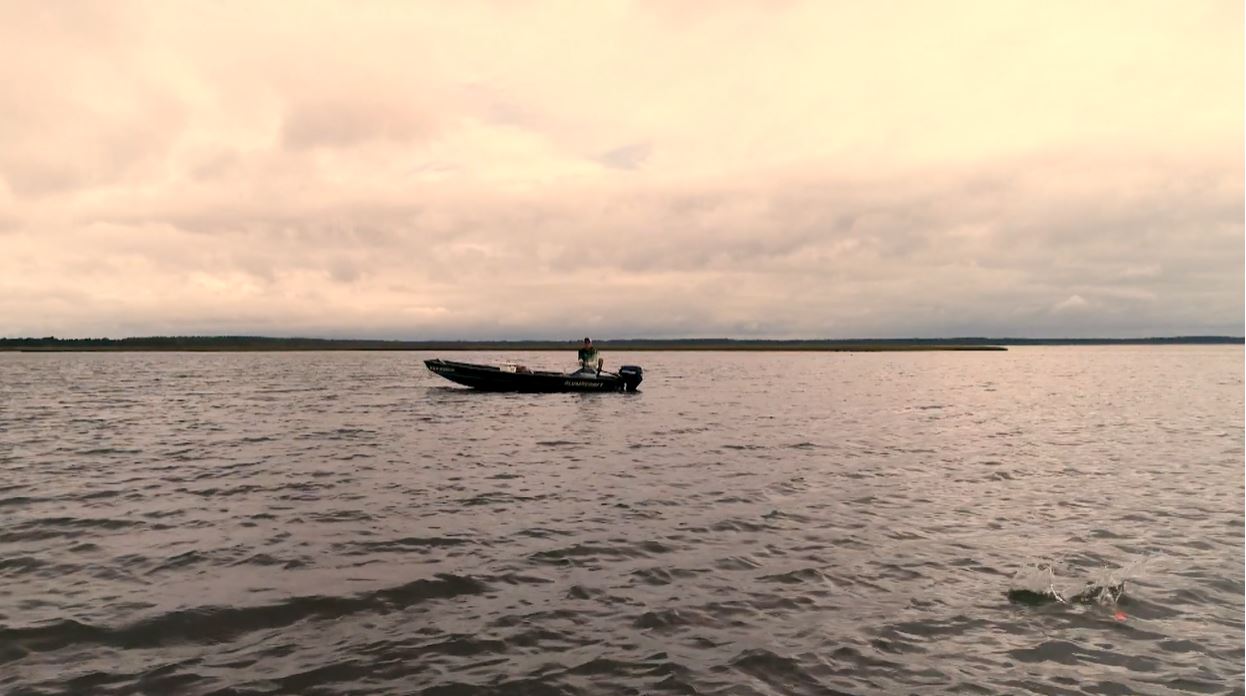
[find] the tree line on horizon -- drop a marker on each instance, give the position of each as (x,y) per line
(226,343)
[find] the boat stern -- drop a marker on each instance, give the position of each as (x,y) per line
(631,376)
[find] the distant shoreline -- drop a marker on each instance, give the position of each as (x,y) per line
(266,344)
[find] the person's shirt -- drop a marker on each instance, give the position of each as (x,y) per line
(588,357)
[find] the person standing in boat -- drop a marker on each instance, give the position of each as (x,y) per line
(588,356)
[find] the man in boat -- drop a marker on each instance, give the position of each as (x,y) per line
(589,362)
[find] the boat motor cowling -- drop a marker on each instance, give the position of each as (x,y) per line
(632,375)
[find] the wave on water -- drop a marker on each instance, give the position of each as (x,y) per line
(214,624)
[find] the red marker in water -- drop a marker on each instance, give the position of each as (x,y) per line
(1119,616)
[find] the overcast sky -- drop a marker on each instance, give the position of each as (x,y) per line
(522,169)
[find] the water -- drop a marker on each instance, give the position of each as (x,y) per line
(348,523)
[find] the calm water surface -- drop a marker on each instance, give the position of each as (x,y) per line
(349,523)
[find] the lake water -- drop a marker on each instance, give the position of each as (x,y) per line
(751,523)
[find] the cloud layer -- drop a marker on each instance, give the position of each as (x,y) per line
(622,169)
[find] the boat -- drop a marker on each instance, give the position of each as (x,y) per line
(517,378)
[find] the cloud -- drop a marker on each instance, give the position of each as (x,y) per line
(799,169)
(626,157)
(1073,303)
(349,121)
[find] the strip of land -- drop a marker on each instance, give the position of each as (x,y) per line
(261,343)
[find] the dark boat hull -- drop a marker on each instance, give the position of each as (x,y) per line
(490,378)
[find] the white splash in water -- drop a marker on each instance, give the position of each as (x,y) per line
(1105,586)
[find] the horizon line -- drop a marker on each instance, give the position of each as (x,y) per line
(697,339)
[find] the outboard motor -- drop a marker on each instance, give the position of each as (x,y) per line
(632,375)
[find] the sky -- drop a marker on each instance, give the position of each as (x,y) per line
(675,168)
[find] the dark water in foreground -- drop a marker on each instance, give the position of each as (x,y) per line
(347,523)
